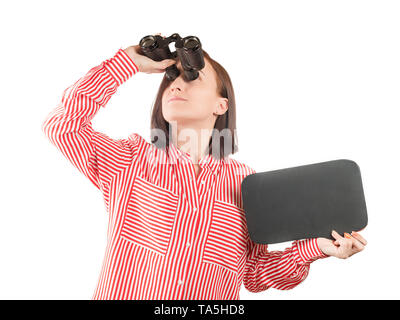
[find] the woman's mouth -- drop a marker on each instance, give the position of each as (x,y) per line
(176,99)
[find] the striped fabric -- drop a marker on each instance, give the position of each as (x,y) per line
(170,235)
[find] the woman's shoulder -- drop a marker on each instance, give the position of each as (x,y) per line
(140,143)
(136,138)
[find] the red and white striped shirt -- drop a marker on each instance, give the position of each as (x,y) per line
(170,235)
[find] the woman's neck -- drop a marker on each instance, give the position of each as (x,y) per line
(192,140)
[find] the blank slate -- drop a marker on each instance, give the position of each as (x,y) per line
(304,202)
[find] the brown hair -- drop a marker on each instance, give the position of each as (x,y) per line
(226,121)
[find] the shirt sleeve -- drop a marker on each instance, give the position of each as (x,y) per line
(281,270)
(69,126)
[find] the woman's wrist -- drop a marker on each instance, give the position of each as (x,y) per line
(322,244)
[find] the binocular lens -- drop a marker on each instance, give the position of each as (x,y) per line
(148,42)
(191,43)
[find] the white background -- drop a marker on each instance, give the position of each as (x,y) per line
(314,81)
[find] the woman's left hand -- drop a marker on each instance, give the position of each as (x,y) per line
(342,247)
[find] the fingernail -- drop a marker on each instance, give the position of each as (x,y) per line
(355,233)
(346,235)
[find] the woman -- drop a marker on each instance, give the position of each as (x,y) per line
(177,228)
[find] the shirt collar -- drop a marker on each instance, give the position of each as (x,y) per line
(208,161)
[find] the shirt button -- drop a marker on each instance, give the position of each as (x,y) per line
(180,282)
(194,209)
(187,245)
(190,178)
(203,182)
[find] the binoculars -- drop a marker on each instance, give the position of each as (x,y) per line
(188,50)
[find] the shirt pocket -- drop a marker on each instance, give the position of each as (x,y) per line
(226,241)
(150,216)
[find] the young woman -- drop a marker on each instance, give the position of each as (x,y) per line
(177,228)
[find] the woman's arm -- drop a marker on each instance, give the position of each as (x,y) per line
(279,269)
(69,126)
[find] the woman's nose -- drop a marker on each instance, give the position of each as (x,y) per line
(175,88)
(177,84)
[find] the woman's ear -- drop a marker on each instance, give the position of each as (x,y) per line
(222,106)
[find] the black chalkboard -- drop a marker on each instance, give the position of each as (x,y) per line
(303,202)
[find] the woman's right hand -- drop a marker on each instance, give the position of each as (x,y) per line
(146,64)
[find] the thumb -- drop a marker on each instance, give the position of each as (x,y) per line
(166,63)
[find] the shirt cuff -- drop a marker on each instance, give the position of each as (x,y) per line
(121,66)
(308,250)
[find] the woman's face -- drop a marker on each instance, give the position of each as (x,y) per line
(202,104)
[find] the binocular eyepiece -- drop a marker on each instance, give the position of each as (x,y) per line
(188,50)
